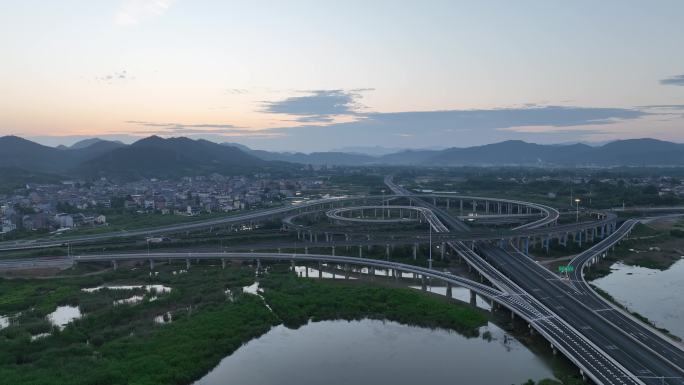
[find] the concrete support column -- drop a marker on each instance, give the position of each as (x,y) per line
(187,263)
(387,251)
(527,246)
(115,264)
(346,271)
(360,251)
(333,250)
(423,285)
(442,250)
(449,293)
(473,298)
(461,204)
(547,246)
(151,264)
(306,250)
(415,251)
(320,270)
(223,263)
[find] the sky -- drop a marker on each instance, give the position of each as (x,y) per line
(322,75)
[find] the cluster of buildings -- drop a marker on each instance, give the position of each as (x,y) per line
(72,204)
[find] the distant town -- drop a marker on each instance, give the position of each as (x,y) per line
(42,208)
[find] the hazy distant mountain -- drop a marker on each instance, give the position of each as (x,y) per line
(89,142)
(314,158)
(379,150)
(31,156)
(158,157)
(25,154)
(633,152)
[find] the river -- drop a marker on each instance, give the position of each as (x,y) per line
(655,294)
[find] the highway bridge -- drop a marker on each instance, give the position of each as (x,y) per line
(647,356)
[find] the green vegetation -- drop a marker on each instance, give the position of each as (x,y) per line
(597,188)
(121,344)
(650,246)
(296,300)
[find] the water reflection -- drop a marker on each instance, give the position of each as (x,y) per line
(377,352)
(63,315)
(655,294)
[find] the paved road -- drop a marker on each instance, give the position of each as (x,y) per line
(593,361)
(646,335)
(567,302)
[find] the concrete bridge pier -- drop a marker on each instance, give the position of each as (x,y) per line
(115,265)
(553,349)
(320,270)
(423,285)
(306,270)
(387,251)
(187,263)
(531,329)
(415,251)
(151,264)
(449,293)
(360,251)
(306,250)
(223,263)
(473,298)
(346,271)
(527,246)
(333,250)
(442,250)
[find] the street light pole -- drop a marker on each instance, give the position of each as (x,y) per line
(430,259)
(577,202)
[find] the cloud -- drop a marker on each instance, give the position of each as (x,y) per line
(160,128)
(180,126)
(318,106)
(134,11)
(115,77)
(677,80)
(459,127)
(236,91)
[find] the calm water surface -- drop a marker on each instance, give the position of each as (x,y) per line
(377,352)
(655,294)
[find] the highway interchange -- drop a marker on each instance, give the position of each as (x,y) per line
(607,344)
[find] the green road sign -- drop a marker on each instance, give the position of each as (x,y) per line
(566,269)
